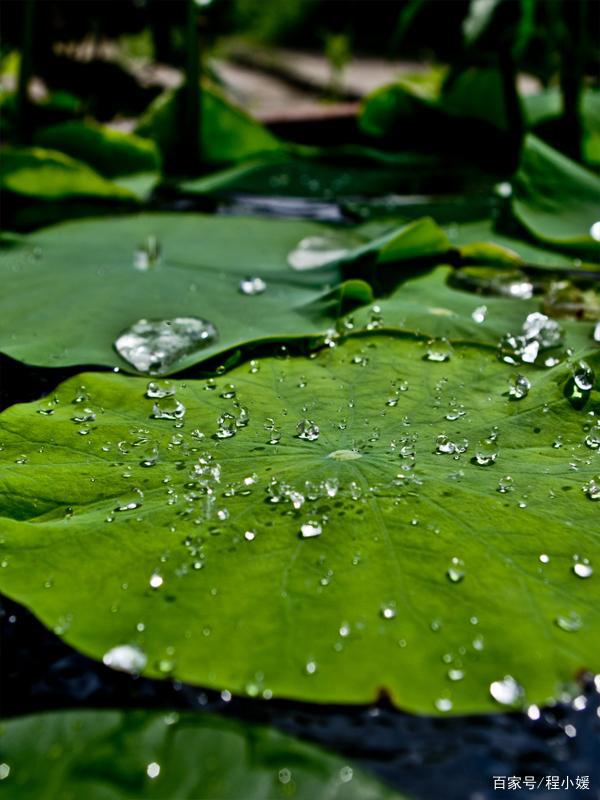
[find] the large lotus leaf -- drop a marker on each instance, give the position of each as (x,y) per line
(228,133)
(80,277)
(557,200)
(110,152)
(38,173)
(323,565)
(120,755)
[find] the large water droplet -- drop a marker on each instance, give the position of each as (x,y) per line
(153,346)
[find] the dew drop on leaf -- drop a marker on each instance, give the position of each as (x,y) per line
(570,622)
(252,286)
(456,570)
(507,692)
(125,658)
(307,429)
(316,251)
(310,529)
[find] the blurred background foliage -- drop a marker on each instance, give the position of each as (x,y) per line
(102,96)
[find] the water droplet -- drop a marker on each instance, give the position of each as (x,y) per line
(438,350)
(156,581)
(252,286)
(168,408)
(456,570)
(584,377)
(582,567)
(310,529)
(507,692)
(249,536)
(4,771)
(539,333)
(486,453)
(153,346)
(346,774)
(125,658)
(570,622)
(344,455)
(85,415)
(307,429)
(159,389)
(316,251)
(505,484)
(479,314)
(456,674)
(592,489)
(285,776)
(153,770)
(443,704)
(228,392)
(147,254)
(227,426)
(519,388)
(388,610)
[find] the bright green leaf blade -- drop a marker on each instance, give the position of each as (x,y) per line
(110,152)
(203,260)
(557,200)
(153,755)
(208,575)
(228,132)
(50,175)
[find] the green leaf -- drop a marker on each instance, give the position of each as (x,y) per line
(430,305)
(476,94)
(331,174)
(478,19)
(385,108)
(479,242)
(50,175)
(119,755)
(228,133)
(203,259)
(546,107)
(556,200)
(142,533)
(110,152)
